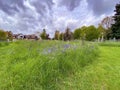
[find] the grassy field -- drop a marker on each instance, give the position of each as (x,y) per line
(57,65)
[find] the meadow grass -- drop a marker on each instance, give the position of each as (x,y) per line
(32,65)
(58,65)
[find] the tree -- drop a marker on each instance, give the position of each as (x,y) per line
(91,33)
(57,35)
(61,36)
(68,35)
(9,35)
(106,23)
(116,26)
(77,33)
(83,32)
(3,35)
(43,34)
(101,31)
(47,37)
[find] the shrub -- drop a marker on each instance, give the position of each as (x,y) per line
(3,35)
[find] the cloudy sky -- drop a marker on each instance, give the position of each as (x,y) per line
(30,16)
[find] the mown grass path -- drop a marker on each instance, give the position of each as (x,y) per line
(103,74)
(108,68)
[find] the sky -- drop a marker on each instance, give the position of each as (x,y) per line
(31,16)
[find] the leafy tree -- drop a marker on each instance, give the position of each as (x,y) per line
(43,35)
(91,33)
(9,35)
(83,32)
(88,33)
(68,35)
(101,31)
(116,26)
(3,35)
(77,33)
(106,23)
(61,36)
(57,35)
(47,37)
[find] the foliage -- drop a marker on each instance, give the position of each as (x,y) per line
(9,35)
(68,35)
(91,33)
(107,22)
(3,35)
(61,36)
(77,33)
(102,31)
(83,32)
(116,26)
(43,34)
(57,35)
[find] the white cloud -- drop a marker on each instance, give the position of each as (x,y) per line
(33,15)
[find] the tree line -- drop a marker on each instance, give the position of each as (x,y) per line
(109,28)
(4,35)
(89,33)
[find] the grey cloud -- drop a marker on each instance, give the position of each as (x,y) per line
(11,6)
(70,4)
(44,9)
(27,19)
(101,6)
(42,6)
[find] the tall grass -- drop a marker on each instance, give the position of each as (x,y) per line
(32,65)
(4,43)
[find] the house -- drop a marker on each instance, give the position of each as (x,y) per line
(28,37)
(18,36)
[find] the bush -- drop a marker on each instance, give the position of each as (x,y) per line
(3,35)
(91,33)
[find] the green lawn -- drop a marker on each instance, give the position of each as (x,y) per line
(55,65)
